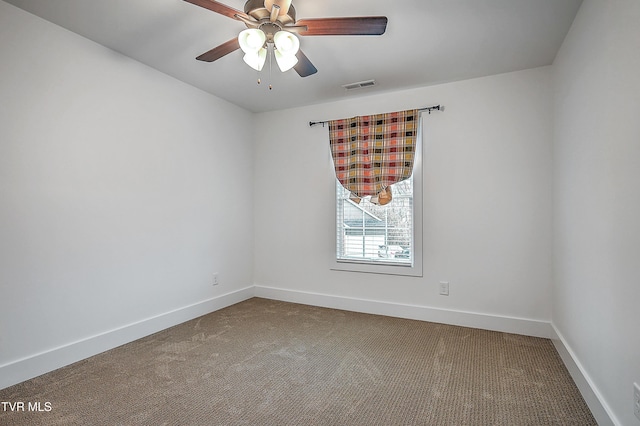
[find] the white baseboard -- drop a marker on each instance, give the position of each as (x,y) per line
(35,365)
(505,324)
(599,408)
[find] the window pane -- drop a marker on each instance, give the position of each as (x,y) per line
(376,234)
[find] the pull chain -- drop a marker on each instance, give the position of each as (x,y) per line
(271,53)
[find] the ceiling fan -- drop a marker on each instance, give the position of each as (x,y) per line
(271,25)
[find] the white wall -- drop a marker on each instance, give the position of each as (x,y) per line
(115,187)
(597,199)
(487,201)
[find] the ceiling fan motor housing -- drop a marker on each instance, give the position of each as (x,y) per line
(256,9)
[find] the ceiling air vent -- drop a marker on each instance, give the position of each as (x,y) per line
(359,85)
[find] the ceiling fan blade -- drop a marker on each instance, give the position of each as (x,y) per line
(364,25)
(295,28)
(304,67)
(283,4)
(218,52)
(220,8)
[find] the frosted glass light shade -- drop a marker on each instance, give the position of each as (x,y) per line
(286,43)
(285,62)
(257,59)
(251,40)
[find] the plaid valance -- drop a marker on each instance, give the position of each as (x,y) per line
(372,152)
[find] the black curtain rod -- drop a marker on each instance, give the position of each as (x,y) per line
(431,108)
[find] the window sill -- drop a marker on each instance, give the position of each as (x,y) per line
(414,270)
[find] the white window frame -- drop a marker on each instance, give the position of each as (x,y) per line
(414,269)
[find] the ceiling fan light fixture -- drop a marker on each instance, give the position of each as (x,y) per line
(286,43)
(285,62)
(252,40)
(257,59)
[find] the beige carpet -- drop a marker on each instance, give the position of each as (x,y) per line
(264,362)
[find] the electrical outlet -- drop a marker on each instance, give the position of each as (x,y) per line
(636,400)
(216,280)
(444,288)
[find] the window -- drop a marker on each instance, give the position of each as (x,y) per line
(381,239)
(371,233)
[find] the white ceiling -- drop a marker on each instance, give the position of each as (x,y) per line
(426,42)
